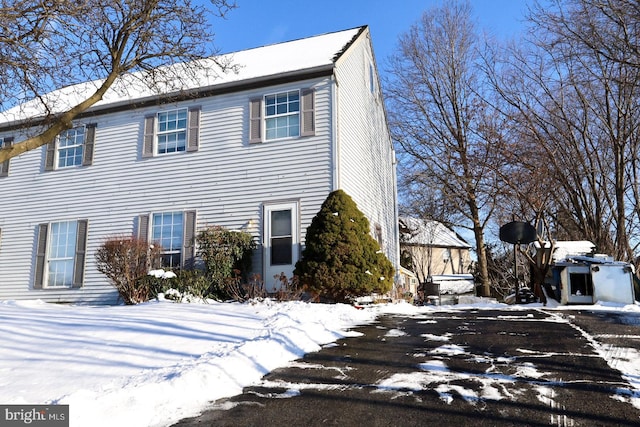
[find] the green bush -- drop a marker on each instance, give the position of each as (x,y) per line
(223,252)
(125,261)
(341,259)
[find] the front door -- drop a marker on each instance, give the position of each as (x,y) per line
(281,247)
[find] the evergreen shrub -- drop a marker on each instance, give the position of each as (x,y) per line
(341,260)
(226,255)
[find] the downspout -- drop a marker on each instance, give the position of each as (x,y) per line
(335,143)
(396,213)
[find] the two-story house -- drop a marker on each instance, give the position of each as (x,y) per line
(433,249)
(258,149)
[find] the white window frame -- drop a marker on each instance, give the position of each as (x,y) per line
(172,131)
(273,113)
(269,269)
(447,255)
(78,157)
(170,252)
(67,242)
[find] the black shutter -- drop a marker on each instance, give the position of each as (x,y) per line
(4,166)
(143,228)
(89,142)
(41,256)
(255,121)
(308,112)
(193,133)
(50,156)
(81,250)
(188,240)
(149,134)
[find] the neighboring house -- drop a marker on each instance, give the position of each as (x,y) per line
(433,249)
(255,149)
(407,287)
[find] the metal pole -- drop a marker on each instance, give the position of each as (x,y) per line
(515,271)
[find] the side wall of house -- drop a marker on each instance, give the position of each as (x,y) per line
(365,155)
(437,260)
(227,182)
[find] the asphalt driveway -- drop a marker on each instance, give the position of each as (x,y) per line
(463,368)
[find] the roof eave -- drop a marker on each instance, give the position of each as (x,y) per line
(324,70)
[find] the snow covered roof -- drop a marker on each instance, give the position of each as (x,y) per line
(567,248)
(428,232)
(262,63)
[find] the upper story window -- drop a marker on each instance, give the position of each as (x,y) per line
(73,147)
(171,131)
(372,82)
(7,141)
(70,145)
(282,115)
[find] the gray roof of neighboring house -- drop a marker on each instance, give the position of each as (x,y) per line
(414,231)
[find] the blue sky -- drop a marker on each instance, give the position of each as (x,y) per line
(260,22)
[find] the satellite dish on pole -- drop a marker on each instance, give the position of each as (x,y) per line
(518,232)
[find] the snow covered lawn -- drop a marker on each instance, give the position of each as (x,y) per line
(156,363)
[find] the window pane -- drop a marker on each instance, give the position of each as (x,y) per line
(282,117)
(70,147)
(294,126)
(61,253)
(166,230)
(172,131)
(281,251)
(281,223)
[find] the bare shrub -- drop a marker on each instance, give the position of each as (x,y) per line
(126,261)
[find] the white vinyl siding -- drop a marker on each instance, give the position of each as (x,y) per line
(365,151)
(227,180)
(225,177)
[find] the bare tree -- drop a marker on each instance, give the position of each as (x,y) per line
(440,120)
(47,45)
(572,99)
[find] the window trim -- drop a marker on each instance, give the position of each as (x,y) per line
(88,145)
(71,147)
(43,240)
(277,115)
(6,141)
(150,132)
(189,227)
(306,116)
